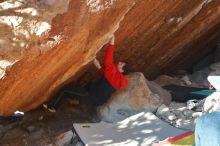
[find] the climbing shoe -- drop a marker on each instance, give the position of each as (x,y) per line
(49,108)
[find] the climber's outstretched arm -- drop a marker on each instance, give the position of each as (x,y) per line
(109,55)
(97,64)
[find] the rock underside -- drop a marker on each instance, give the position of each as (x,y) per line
(45,44)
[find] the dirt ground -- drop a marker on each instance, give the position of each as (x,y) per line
(40,127)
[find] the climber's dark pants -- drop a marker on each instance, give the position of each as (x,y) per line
(94,94)
(80,94)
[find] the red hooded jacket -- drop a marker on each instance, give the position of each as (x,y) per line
(110,71)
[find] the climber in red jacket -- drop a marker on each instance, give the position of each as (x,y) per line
(99,91)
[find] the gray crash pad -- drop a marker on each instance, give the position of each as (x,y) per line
(142,129)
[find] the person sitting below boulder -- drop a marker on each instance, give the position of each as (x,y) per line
(207,131)
(186,93)
(98,92)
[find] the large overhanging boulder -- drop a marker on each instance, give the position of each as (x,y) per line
(164,36)
(159,37)
(44,43)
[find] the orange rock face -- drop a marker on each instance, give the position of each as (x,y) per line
(160,37)
(70,39)
(163,36)
(45,43)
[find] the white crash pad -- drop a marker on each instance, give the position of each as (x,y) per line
(139,130)
(214,81)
